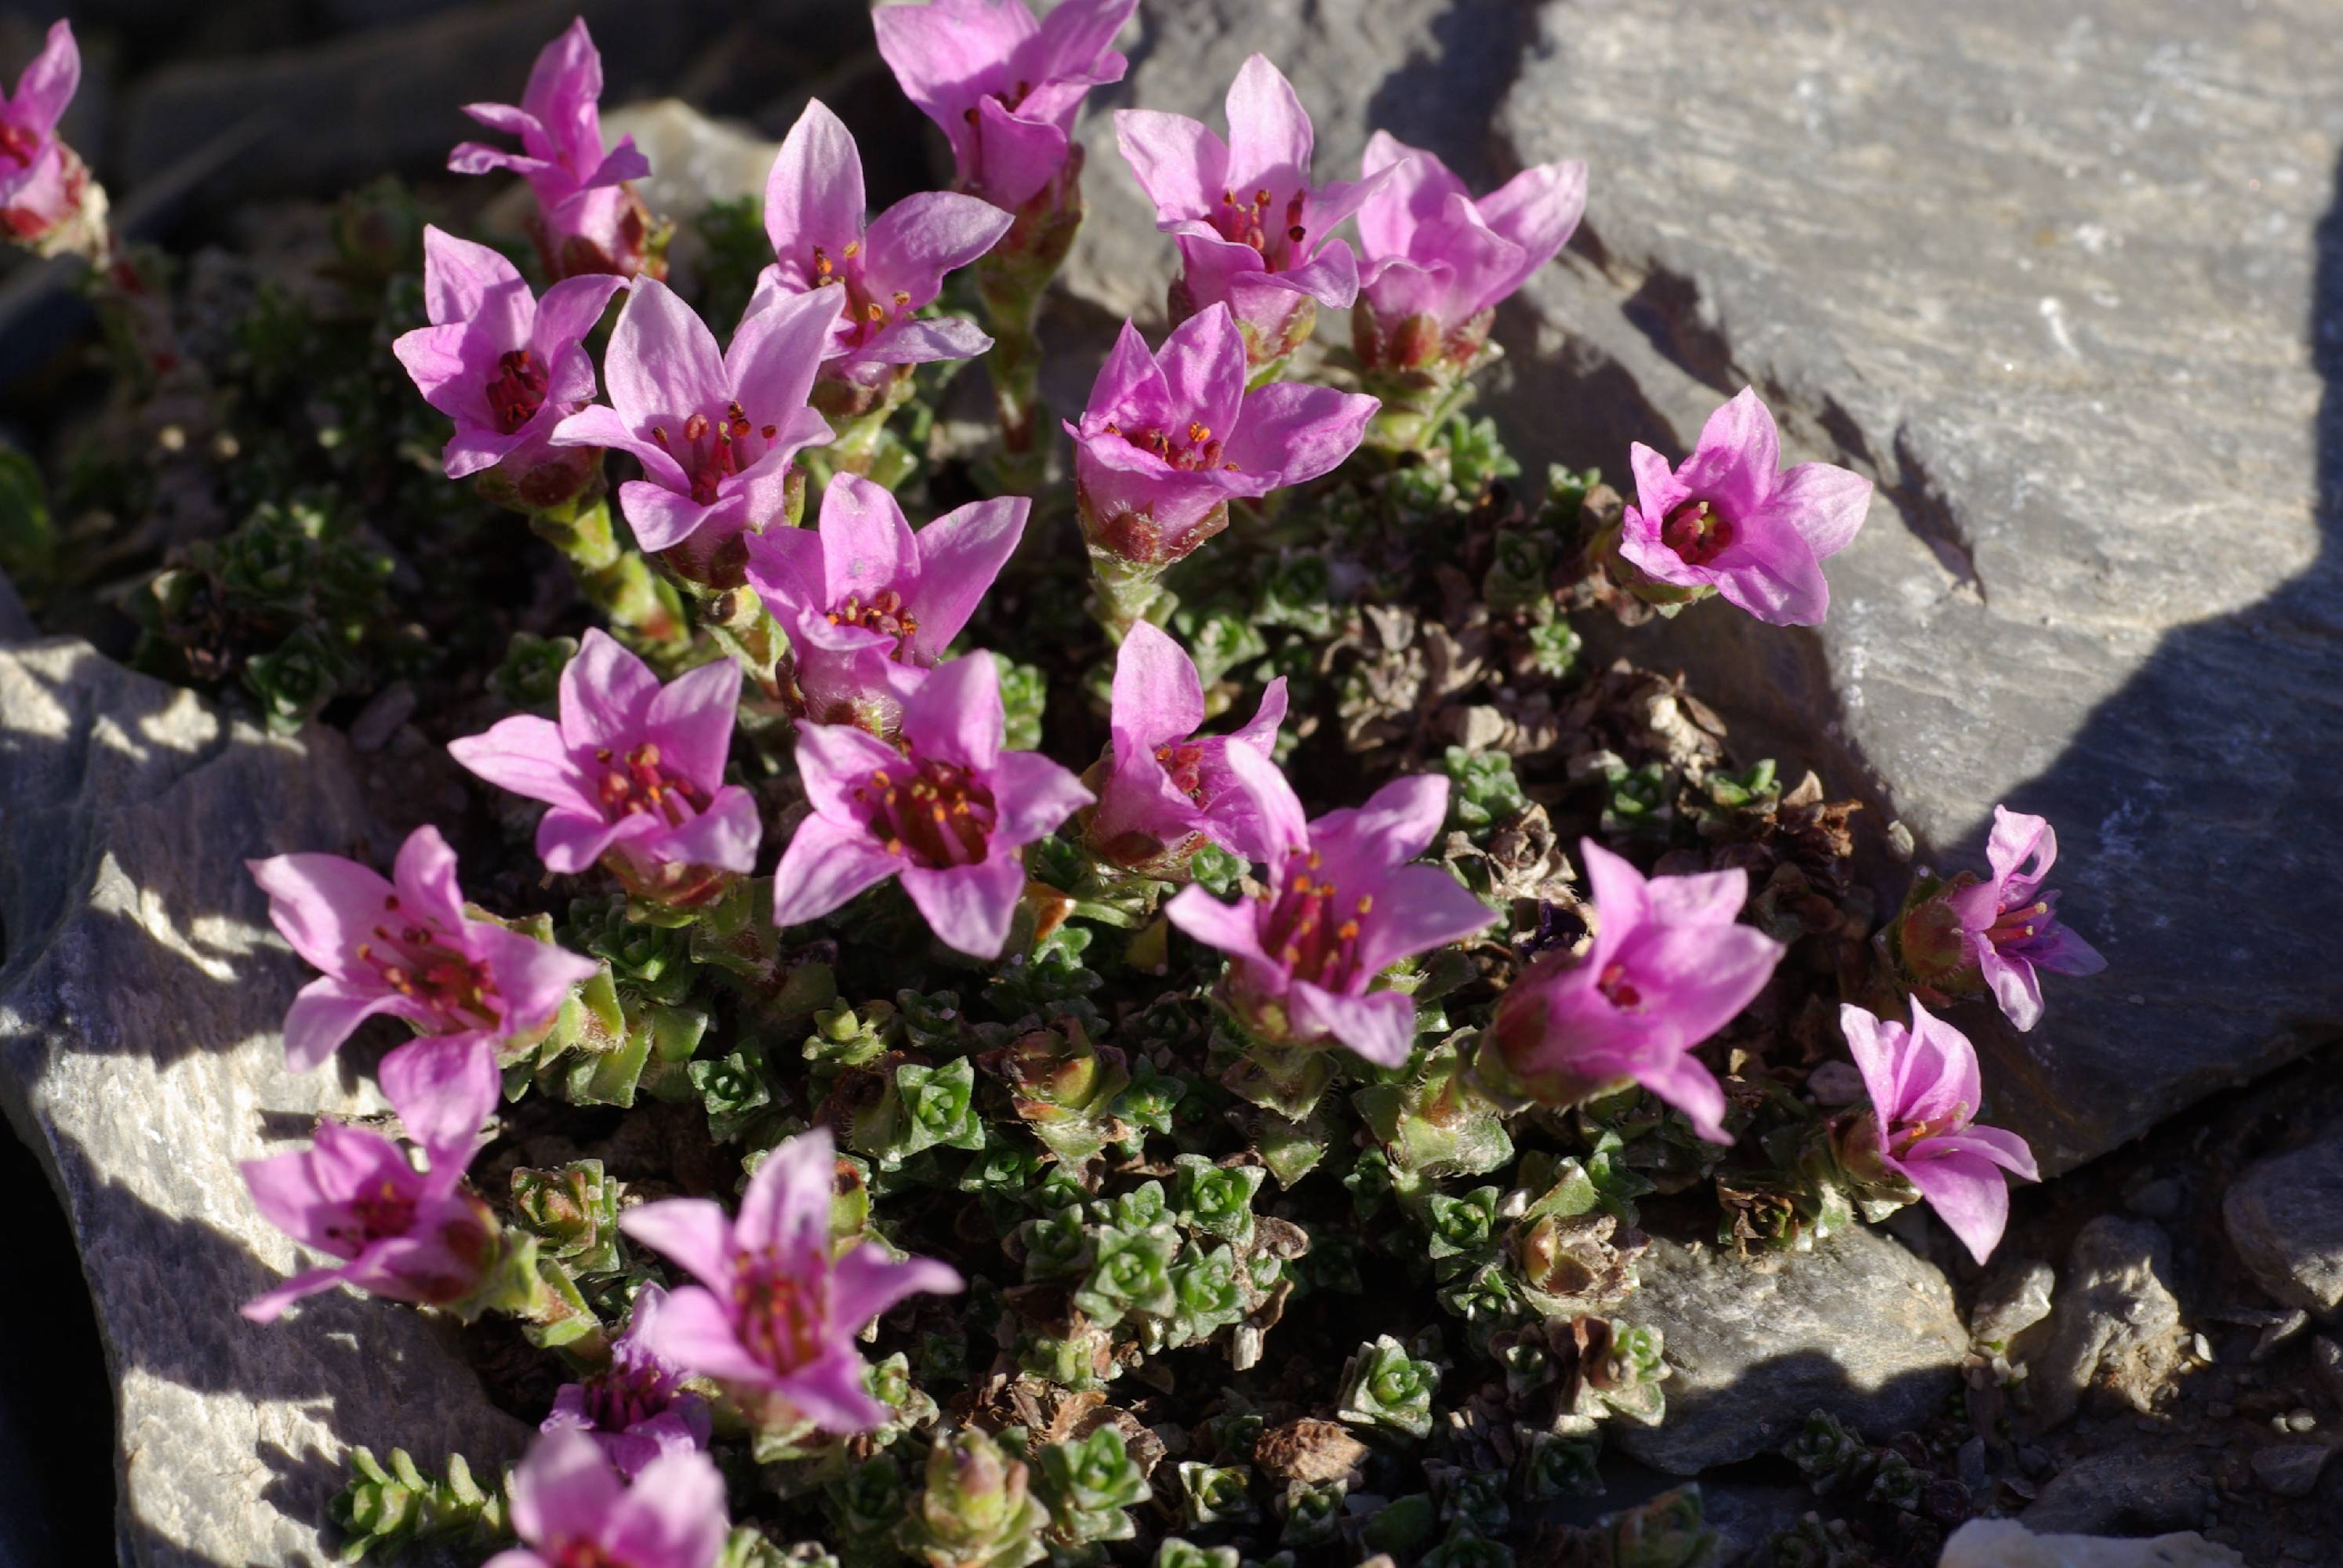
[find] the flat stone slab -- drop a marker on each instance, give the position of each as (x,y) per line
(140,1061)
(1860,1327)
(2284,1218)
(2049,273)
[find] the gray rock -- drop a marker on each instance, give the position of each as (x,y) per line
(2047,273)
(139,1059)
(2114,1315)
(2013,1298)
(2327,1357)
(694,160)
(2123,1492)
(1858,1327)
(2006,1543)
(2284,1218)
(2291,1469)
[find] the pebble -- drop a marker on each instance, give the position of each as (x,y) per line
(2290,1470)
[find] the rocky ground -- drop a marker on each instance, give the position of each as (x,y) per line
(2064,279)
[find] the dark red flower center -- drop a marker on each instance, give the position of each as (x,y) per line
(518,390)
(779,1315)
(625,1392)
(579,1551)
(641,783)
(387,1211)
(2018,925)
(1617,989)
(415,960)
(1188,451)
(933,814)
(883,612)
(865,314)
(1306,927)
(18,145)
(1697,532)
(1184,763)
(1251,223)
(711,451)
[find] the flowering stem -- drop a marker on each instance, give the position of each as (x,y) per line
(619,581)
(1416,404)
(1011,281)
(864,445)
(1125,592)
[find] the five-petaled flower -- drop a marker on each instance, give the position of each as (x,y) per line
(572,1509)
(1170,438)
(633,1406)
(589,219)
(2010,923)
(1341,903)
(774,1312)
(1728,518)
(1669,966)
(716,432)
(1437,263)
(634,773)
(945,808)
(888,269)
(1169,789)
(1002,87)
(1925,1095)
(406,947)
(44,184)
(870,604)
(406,1235)
(506,366)
(1254,227)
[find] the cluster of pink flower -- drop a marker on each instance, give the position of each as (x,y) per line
(901,752)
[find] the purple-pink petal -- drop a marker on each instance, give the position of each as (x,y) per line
(825,867)
(960,555)
(692,1231)
(970,908)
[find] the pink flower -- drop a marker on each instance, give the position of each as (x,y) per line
(405,1235)
(1167,789)
(716,432)
(1254,229)
(2010,925)
(1725,519)
(1341,905)
(44,184)
(1925,1094)
(633,1407)
(572,1509)
(944,809)
(588,219)
(1002,87)
(1668,968)
(1437,263)
(406,948)
(505,365)
(870,604)
(889,271)
(1170,438)
(779,1313)
(634,773)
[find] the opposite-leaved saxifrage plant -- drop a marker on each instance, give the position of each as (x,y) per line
(1167,789)
(406,947)
(1669,966)
(47,200)
(634,1408)
(1925,1092)
(1995,935)
(634,773)
(870,605)
(572,1509)
(1254,227)
(589,219)
(890,267)
(506,367)
(1341,903)
(717,432)
(775,1314)
(1435,266)
(945,808)
(1171,437)
(407,1235)
(1730,520)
